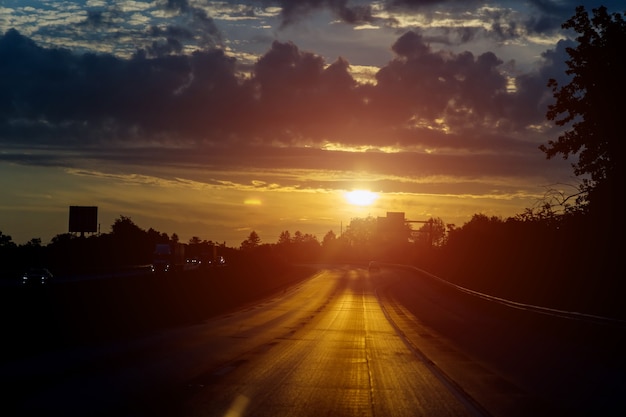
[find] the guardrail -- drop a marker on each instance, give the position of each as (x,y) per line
(553,312)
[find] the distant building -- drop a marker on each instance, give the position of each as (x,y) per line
(393,228)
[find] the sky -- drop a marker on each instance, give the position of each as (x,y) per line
(217,118)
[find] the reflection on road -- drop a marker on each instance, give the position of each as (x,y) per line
(338,356)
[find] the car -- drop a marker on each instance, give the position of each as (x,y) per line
(373,266)
(192,263)
(37,277)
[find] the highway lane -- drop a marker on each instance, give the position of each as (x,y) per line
(345,359)
(560,364)
(324,347)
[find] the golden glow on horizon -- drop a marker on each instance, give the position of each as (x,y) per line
(361,197)
(336,146)
(220,210)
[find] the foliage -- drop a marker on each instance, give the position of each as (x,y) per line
(284,238)
(195,240)
(360,232)
(253,241)
(302,247)
(6,241)
(130,243)
(329,238)
(588,106)
(431,233)
(126,245)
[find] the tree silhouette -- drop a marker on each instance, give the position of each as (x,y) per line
(125,228)
(251,242)
(195,240)
(588,106)
(431,233)
(284,238)
(6,241)
(130,243)
(329,238)
(361,231)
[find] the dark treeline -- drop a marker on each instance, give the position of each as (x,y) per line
(126,245)
(564,261)
(559,260)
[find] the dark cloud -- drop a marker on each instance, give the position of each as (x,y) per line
(163,48)
(97,19)
(543,24)
(91,93)
(175,5)
(425,3)
(537,17)
(554,7)
(528,105)
(425,85)
(297,97)
(543,16)
(186,26)
(294,11)
(197,28)
(56,97)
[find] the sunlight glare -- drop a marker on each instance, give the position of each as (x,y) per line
(361,197)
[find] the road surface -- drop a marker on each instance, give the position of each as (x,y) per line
(338,344)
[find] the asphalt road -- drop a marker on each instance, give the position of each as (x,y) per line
(343,343)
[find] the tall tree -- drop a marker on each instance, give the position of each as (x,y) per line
(589,107)
(251,242)
(329,238)
(125,228)
(195,240)
(284,238)
(131,243)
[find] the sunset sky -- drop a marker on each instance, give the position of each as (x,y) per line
(216,118)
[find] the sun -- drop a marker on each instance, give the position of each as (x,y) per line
(361,197)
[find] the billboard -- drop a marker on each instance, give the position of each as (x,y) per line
(83,219)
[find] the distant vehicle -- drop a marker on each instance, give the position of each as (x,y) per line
(37,277)
(168,257)
(209,259)
(373,266)
(219,261)
(192,263)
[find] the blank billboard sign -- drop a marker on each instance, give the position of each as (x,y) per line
(83,219)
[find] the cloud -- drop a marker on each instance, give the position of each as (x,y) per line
(193,26)
(503,22)
(59,97)
(425,86)
(294,11)
(446,113)
(122,28)
(86,98)
(427,3)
